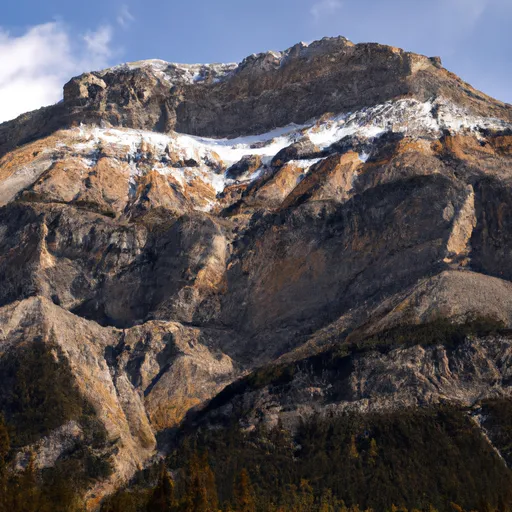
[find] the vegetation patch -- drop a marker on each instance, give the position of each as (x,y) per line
(38,395)
(347,462)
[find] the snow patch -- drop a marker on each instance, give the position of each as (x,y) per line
(138,147)
(174,73)
(306,164)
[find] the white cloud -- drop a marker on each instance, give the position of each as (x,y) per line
(125,18)
(324,8)
(34,66)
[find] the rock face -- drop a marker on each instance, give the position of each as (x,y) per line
(360,189)
(375,382)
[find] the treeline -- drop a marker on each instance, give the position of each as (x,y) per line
(200,495)
(28,490)
(417,460)
(422,460)
(39,394)
(409,461)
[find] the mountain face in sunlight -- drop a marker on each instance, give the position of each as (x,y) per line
(315,240)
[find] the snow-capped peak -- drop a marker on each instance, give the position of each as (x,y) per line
(174,73)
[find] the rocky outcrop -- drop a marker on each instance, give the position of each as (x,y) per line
(138,382)
(246,166)
(301,150)
(330,179)
(374,382)
(176,368)
(118,408)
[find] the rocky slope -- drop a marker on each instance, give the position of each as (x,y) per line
(168,229)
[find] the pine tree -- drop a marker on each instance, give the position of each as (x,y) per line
(353,453)
(162,499)
(200,488)
(306,497)
(243,493)
(200,497)
(209,483)
(5,441)
(328,502)
(27,493)
(373,451)
(191,483)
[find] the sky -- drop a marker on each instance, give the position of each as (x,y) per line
(45,43)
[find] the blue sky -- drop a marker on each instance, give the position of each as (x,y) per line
(44,43)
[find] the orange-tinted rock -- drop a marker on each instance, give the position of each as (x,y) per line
(332,178)
(61,183)
(107,185)
(156,190)
(273,192)
(502,144)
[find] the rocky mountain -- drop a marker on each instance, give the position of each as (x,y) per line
(309,232)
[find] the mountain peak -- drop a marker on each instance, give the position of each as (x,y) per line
(264,91)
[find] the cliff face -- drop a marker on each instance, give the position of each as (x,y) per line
(361,188)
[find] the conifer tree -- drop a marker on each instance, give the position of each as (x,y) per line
(373,451)
(243,493)
(201,488)
(328,503)
(209,483)
(162,499)
(353,453)
(5,441)
(306,497)
(27,496)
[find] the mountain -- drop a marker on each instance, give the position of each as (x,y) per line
(306,240)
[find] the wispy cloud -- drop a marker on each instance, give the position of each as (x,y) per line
(324,8)
(470,10)
(125,18)
(35,65)
(98,42)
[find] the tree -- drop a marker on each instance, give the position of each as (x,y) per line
(162,499)
(5,441)
(353,453)
(27,496)
(5,448)
(200,486)
(328,502)
(306,496)
(373,451)
(243,493)
(209,483)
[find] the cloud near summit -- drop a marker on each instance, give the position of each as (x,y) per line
(35,65)
(324,8)
(125,18)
